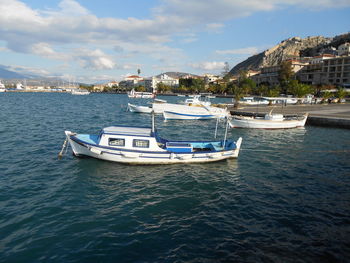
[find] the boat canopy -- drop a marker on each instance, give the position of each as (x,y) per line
(135,131)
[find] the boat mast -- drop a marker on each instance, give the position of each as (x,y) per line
(216,127)
(153,122)
(225,133)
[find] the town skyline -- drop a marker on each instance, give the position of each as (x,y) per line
(91,41)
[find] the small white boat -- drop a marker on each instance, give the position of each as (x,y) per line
(80,92)
(253,101)
(2,87)
(195,101)
(269,121)
(140,95)
(139,109)
(139,145)
(172,115)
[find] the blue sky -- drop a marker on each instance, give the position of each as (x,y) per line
(91,41)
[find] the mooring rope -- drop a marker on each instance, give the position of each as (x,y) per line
(63,147)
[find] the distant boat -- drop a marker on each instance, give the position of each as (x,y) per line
(140,95)
(19,86)
(80,92)
(2,87)
(269,121)
(140,145)
(253,101)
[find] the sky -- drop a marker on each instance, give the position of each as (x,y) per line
(93,41)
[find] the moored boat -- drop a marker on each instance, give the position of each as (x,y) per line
(139,109)
(2,87)
(80,92)
(173,115)
(140,145)
(140,95)
(269,121)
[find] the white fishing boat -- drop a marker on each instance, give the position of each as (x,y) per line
(173,115)
(253,101)
(2,87)
(80,92)
(269,121)
(195,101)
(140,95)
(139,145)
(139,109)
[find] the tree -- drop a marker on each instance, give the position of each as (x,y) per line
(326,95)
(162,88)
(340,94)
(192,84)
(226,72)
(285,74)
(138,72)
(298,89)
(140,89)
(237,92)
(273,91)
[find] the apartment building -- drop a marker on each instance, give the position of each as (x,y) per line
(151,83)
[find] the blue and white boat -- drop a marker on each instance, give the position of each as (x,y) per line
(143,145)
(175,115)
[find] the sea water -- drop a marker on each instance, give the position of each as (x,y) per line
(285,199)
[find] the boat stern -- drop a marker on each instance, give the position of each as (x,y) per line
(238,147)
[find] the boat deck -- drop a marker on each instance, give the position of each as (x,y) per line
(89,138)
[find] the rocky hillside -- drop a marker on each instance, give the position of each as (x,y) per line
(290,48)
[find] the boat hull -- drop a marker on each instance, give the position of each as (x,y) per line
(170,115)
(256,123)
(139,109)
(145,157)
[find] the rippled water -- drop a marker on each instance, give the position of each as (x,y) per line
(286,198)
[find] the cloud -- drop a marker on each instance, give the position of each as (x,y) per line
(215,27)
(55,33)
(240,51)
(45,50)
(94,59)
(209,66)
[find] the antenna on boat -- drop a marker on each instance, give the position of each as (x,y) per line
(153,122)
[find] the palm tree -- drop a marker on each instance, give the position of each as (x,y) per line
(341,93)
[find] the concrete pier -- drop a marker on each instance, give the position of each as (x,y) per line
(329,115)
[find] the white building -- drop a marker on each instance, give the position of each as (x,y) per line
(210,78)
(112,83)
(344,49)
(151,83)
(131,81)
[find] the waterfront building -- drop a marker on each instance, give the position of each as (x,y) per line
(313,72)
(336,71)
(344,49)
(270,74)
(131,82)
(151,83)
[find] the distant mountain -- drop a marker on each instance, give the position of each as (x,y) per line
(8,74)
(11,76)
(291,48)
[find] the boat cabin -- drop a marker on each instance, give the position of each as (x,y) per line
(136,138)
